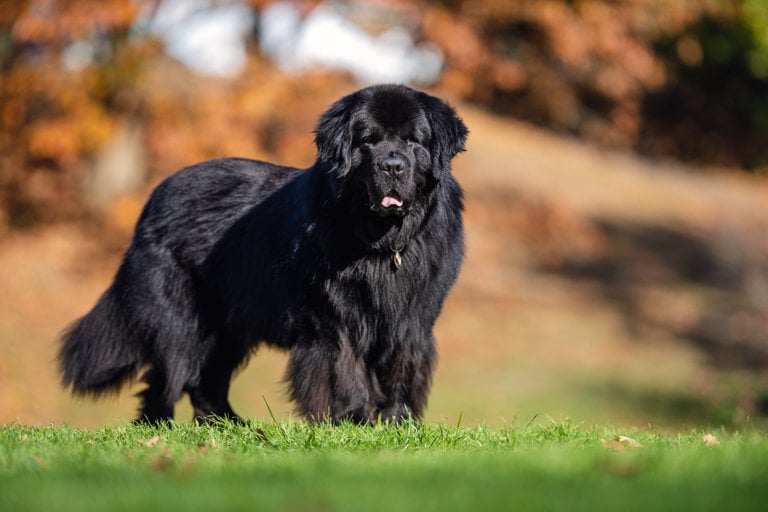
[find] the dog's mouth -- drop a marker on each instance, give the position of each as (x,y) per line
(390,204)
(392,200)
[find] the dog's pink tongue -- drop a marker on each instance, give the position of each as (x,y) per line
(390,200)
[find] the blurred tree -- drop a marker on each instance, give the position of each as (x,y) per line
(81,79)
(681,79)
(67,73)
(714,108)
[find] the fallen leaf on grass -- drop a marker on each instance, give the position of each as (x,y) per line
(710,440)
(149,443)
(620,443)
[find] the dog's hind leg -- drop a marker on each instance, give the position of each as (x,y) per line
(210,396)
(156,406)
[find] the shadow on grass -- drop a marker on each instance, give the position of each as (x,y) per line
(675,406)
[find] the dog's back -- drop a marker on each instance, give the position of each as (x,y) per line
(155,311)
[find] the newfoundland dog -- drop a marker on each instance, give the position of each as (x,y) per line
(346,264)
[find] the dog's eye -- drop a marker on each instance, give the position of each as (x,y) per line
(371,138)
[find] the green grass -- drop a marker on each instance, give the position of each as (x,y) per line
(294,466)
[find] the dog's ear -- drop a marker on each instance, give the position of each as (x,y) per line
(449,133)
(333,137)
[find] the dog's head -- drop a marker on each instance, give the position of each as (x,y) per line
(389,141)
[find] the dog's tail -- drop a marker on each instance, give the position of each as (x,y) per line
(100,352)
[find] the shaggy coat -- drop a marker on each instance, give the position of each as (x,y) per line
(346,264)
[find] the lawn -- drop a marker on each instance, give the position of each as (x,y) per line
(295,466)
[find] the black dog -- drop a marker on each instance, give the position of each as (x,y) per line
(347,264)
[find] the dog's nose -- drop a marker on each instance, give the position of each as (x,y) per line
(393,165)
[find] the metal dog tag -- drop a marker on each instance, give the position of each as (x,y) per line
(397,260)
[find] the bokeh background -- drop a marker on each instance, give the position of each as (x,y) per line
(617,202)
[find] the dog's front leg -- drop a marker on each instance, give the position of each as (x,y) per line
(329,382)
(405,379)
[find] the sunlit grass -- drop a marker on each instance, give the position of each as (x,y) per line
(296,466)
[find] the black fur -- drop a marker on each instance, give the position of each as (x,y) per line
(231,253)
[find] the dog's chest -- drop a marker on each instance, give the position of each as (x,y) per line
(383,288)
